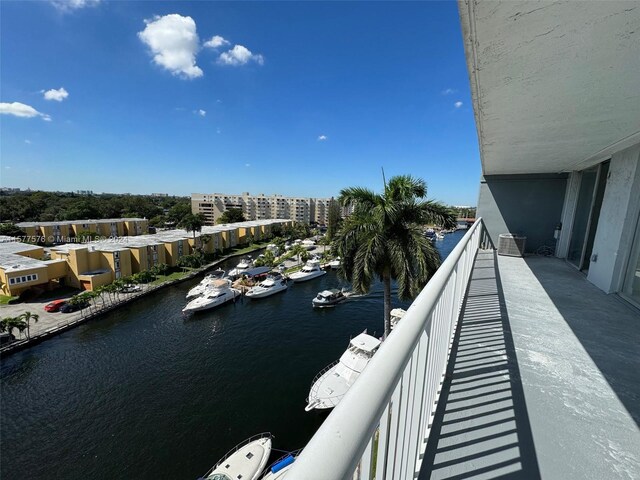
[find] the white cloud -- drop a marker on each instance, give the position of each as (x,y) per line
(18,109)
(239,55)
(322,138)
(448,91)
(71,5)
(216,42)
(457,104)
(173,41)
(202,113)
(57,95)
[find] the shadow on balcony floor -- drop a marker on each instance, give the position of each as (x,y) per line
(481,427)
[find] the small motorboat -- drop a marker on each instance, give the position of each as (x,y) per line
(245,461)
(335,263)
(219,293)
(310,270)
(328,298)
(245,264)
(396,316)
(274,283)
(332,383)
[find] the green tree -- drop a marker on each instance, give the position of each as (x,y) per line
(193,223)
(334,219)
(10,230)
(232,215)
(27,317)
(384,238)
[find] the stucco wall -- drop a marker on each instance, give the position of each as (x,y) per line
(617,222)
(529,205)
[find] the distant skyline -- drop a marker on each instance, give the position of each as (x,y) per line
(299,99)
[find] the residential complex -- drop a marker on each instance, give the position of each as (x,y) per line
(257,207)
(90,265)
(59,231)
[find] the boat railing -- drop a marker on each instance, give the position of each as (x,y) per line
(380,428)
(322,372)
(257,436)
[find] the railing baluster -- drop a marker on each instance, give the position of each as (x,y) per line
(383,442)
(418,405)
(394,419)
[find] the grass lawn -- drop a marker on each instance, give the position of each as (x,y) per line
(5,299)
(249,249)
(171,276)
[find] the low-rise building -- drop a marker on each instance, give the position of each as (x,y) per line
(61,231)
(22,266)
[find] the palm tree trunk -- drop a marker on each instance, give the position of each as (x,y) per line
(387,305)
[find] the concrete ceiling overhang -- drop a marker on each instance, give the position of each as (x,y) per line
(555,85)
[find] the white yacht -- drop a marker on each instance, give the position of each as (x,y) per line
(220,292)
(396,316)
(245,264)
(310,270)
(331,384)
(246,460)
(328,298)
(335,263)
(205,284)
(308,244)
(272,284)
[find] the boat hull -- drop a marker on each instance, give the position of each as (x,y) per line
(209,306)
(306,277)
(265,293)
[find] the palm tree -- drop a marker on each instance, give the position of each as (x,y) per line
(27,317)
(384,238)
(193,223)
(298,250)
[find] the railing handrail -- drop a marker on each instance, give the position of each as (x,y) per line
(343,437)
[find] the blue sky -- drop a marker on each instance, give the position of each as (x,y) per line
(297,98)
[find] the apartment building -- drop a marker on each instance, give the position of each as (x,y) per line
(59,231)
(259,207)
(22,267)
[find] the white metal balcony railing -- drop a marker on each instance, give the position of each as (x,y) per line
(386,416)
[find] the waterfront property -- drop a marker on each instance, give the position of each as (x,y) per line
(61,231)
(93,264)
(511,366)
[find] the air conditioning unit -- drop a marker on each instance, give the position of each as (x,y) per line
(511,245)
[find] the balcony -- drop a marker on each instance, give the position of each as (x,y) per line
(503,367)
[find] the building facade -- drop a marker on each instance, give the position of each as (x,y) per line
(259,207)
(60,231)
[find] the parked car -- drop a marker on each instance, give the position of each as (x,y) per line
(130,288)
(55,305)
(73,307)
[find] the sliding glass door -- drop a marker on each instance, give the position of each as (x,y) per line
(585,222)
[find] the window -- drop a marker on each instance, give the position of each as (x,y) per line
(12,281)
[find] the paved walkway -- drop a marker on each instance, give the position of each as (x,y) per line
(543,379)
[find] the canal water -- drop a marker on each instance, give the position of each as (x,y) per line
(144,393)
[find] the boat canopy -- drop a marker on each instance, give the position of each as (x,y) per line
(365,342)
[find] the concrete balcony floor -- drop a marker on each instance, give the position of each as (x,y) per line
(543,380)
